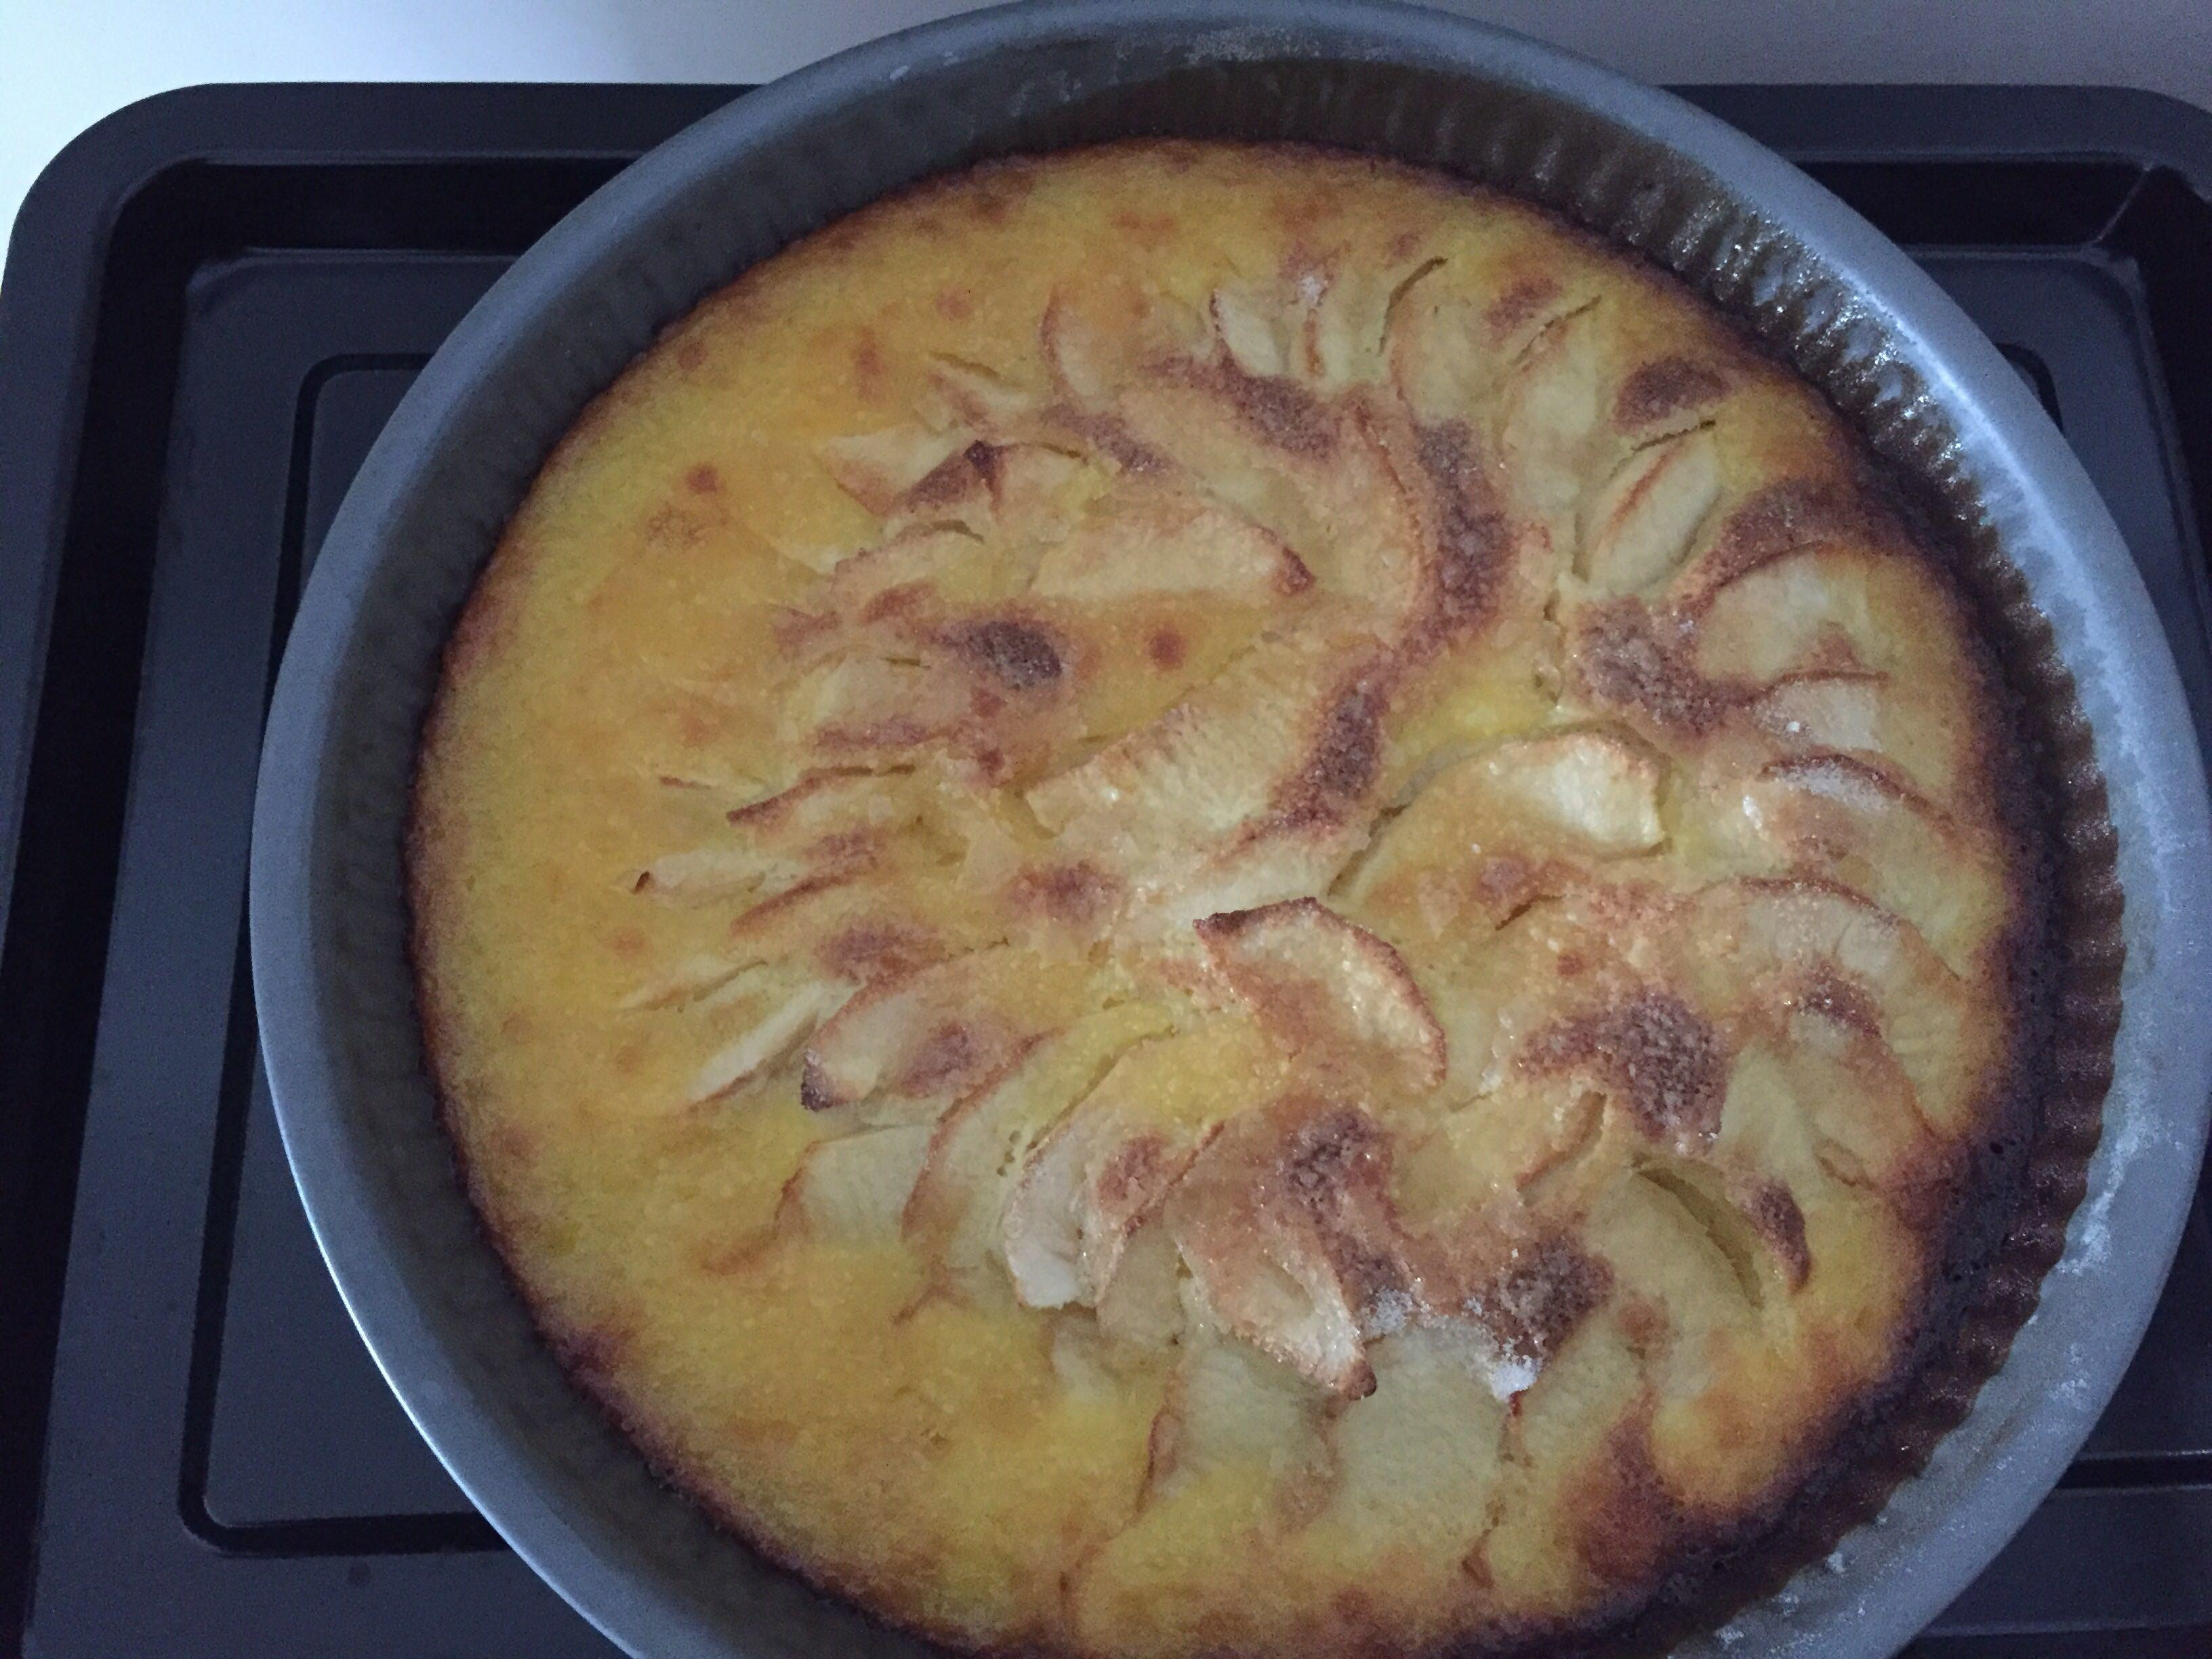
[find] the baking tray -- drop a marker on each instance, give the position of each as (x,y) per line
(261,269)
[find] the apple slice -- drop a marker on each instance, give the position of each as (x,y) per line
(824,827)
(1105,1169)
(1147,543)
(853,1189)
(1853,820)
(1438,354)
(979,1148)
(967,394)
(1331,993)
(1285,1221)
(1258,330)
(1636,530)
(778,1020)
(907,1048)
(1257,784)
(1413,1459)
(992,491)
(877,469)
(1550,400)
(1770,941)
(1229,1406)
(1489,833)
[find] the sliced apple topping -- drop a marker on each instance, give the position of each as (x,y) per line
(1257,785)
(1105,1169)
(1143,1303)
(1841,712)
(1155,543)
(1096,340)
(1637,530)
(1311,468)
(1488,834)
(1413,1459)
(946,563)
(1256,882)
(1258,331)
(864,708)
(1849,1092)
(963,394)
(877,469)
(686,982)
(1503,1307)
(776,1019)
(1550,403)
(1314,322)
(822,828)
(1228,1406)
(1328,991)
(1285,1221)
(1662,1253)
(980,1147)
(993,490)
(905,1048)
(1853,820)
(1437,354)
(1524,1134)
(1647,1051)
(700,875)
(1834,607)
(852,1190)
(991,690)
(1760,939)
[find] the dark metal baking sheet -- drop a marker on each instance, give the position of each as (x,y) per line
(245,1577)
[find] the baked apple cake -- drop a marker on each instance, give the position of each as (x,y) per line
(1198,899)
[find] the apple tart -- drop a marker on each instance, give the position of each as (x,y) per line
(1215,900)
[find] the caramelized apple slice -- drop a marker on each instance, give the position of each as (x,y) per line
(1331,993)
(967,394)
(1413,1459)
(1256,328)
(979,1148)
(907,1048)
(1159,543)
(822,827)
(1229,1406)
(1105,1169)
(991,690)
(876,469)
(1491,833)
(1438,354)
(1770,939)
(1258,784)
(1345,340)
(1852,820)
(1143,1303)
(1313,469)
(1549,403)
(1095,340)
(1284,1222)
(949,564)
(993,490)
(1835,605)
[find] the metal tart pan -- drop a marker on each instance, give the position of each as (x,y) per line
(1919,382)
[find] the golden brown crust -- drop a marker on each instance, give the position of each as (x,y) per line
(1292,1016)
